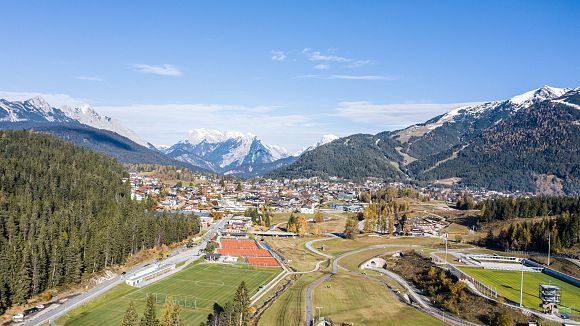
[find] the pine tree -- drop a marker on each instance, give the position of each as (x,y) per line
(149,318)
(171,314)
(242,306)
(131,318)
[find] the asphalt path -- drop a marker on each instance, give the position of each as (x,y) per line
(186,254)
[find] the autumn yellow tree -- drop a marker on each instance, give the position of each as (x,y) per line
(302,225)
(318,218)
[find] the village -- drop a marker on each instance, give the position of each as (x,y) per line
(212,197)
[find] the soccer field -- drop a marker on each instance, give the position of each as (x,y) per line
(196,287)
(507,284)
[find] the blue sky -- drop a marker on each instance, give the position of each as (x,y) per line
(287,72)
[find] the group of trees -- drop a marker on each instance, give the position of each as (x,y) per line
(170,315)
(564,232)
(233,313)
(509,208)
(382,213)
(262,216)
(389,194)
(297,224)
(465,202)
(66,214)
(380,217)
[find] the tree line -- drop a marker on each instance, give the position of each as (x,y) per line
(233,313)
(65,213)
(510,207)
(560,233)
(170,314)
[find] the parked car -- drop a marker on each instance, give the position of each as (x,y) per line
(18,317)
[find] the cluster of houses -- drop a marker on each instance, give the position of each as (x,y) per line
(212,196)
(228,196)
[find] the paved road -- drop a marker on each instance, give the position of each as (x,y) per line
(335,266)
(315,284)
(189,255)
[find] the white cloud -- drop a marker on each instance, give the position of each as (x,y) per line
(394,115)
(278,56)
(322,66)
(90,78)
(331,57)
(162,70)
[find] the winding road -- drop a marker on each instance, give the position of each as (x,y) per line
(424,304)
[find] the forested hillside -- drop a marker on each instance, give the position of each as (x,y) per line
(534,150)
(65,213)
(354,157)
(527,143)
(563,226)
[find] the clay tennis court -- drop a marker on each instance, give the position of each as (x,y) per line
(248,249)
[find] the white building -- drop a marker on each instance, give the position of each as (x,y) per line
(148,274)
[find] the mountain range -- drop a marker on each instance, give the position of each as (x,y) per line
(527,143)
(83,127)
(232,152)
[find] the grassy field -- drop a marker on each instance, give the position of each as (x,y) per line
(296,255)
(507,284)
(352,262)
(350,298)
(290,308)
(198,286)
(339,246)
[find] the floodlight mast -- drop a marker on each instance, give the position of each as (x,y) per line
(522,286)
(446,237)
(549,241)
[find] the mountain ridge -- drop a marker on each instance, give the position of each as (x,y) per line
(425,151)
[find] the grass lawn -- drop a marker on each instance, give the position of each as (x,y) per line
(198,286)
(356,299)
(290,308)
(507,284)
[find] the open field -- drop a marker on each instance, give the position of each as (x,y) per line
(283,217)
(352,262)
(339,246)
(198,286)
(290,308)
(351,298)
(507,284)
(296,255)
(334,222)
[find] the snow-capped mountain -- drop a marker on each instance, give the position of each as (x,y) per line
(454,127)
(33,110)
(38,110)
(325,139)
(225,152)
(528,143)
(515,103)
(87,116)
(83,127)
